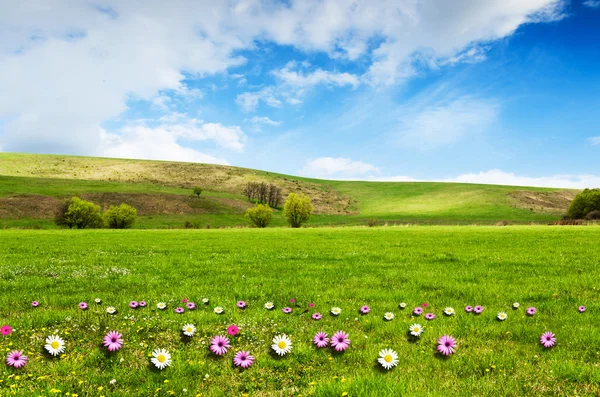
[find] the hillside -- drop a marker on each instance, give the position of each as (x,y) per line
(31,187)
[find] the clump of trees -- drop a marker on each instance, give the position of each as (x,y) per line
(585,203)
(297,209)
(263,193)
(260,216)
(121,217)
(81,214)
(197,191)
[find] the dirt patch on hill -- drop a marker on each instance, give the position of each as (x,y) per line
(555,202)
(28,207)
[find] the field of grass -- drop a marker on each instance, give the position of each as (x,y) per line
(554,269)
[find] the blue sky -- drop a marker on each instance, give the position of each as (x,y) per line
(501,91)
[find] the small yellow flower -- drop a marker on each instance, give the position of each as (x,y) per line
(100,388)
(344,393)
(166,381)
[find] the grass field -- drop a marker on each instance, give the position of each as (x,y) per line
(555,269)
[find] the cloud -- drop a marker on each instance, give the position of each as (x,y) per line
(249,101)
(498,177)
(319,76)
(595,140)
(337,168)
(592,3)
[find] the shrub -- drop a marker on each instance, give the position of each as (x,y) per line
(372,222)
(197,191)
(60,218)
(297,209)
(79,214)
(593,216)
(584,203)
(191,225)
(121,217)
(260,216)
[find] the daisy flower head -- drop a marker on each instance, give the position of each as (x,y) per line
(365,309)
(478,309)
(321,340)
(292,300)
(241,304)
(111,310)
(418,311)
(287,310)
(143,304)
(83,306)
(243,359)
(179,310)
(161,358)
(311,305)
(219,345)
(6,330)
(429,316)
(317,316)
(402,306)
(449,311)
(184,300)
(55,345)
(233,330)
(269,306)
(389,316)
(446,345)
(425,304)
(468,309)
(502,316)
(161,305)
(531,311)
(205,301)
(16,359)
(219,310)
(113,341)
(133,304)
(190,305)
(388,358)
(282,345)
(581,309)
(97,301)
(516,305)
(35,303)
(340,341)
(336,311)
(189,329)
(548,339)
(416,329)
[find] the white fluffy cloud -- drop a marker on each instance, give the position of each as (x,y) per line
(337,168)
(300,79)
(498,177)
(592,3)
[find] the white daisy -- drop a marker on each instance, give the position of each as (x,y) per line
(269,305)
(415,330)
(205,301)
(98,301)
(388,358)
(161,305)
(389,316)
(336,311)
(282,345)
(449,311)
(55,345)
(402,305)
(516,305)
(502,316)
(219,310)
(189,330)
(111,310)
(161,358)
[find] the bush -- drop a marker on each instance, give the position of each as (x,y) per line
(198,191)
(191,225)
(260,216)
(60,218)
(121,217)
(297,209)
(584,203)
(79,214)
(593,216)
(372,222)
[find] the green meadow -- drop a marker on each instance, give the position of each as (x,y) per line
(554,269)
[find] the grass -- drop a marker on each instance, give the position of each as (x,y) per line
(552,268)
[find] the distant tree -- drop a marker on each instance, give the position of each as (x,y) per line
(584,203)
(260,216)
(297,209)
(263,193)
(79,214)
(198,191)
(121,217)
(60,218)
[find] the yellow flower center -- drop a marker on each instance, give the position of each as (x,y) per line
(282,345)
(417,329)
(388,358)
(55,345)
(161,358)
(188,329)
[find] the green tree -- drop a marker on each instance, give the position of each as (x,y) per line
(60,218)
(198,191)
(260,216)
(79,214)
(121,217)
(297,209)
(584,203)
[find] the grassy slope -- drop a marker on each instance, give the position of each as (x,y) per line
(553,269)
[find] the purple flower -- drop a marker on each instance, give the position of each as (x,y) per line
(317,316)
(548,339)
(417,311)
(113,341)
(292,300)
(425,304)
(241,304)
(365,309)
(311,305)
(143,304)
(184,300)
(6,330)
(35,303)
(429,316)
(219,345)
(581,309)
(287,310)
(478,309)
(446,345)
(233,330)
(179,310)
(469,309)
(83,306)
(531,311)
(133,304)
(243,359)
(16,359)
(190,305)
(321,340)
(340,341)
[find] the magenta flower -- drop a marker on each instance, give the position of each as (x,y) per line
(113,341)
(233,330)
(179,310)
(478,309)
(287,310)
(469,309)
(184,300)
(429,316)
(243,359)
(581,309)
(133,304)
(16,359)
(321,340)
(241,304)
(219,345)
(417,311)
(548,339)
(317,316)
(531,311)
(83,306)
(365,309)
(340,341)
(35,303)
(143,304)
(425,304)
(292,300)
(446,345)
(6,330)
(311,305)
(190,305)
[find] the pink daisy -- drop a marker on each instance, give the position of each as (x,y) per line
(243,359)
(219,345)
(417,311)
(292,300)
(133,304)
(35,303)
(184,300)
(321,340)
(478,309)
(446,345)
(311,305)
(425,304)
(581,309)
(469,309)
(143,303)
(548,339)
(5,330)
(83,306)
(340,341)
(113,341)
(16,359)
(179,310)
(365,309)
(233,330)
(531,311)
(287,310)
(241,304)
(429,316)
(317,316)
(190,305)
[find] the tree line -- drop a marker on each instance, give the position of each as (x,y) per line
(263,193)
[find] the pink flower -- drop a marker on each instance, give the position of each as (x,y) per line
(317,316)
(241,304)
(446,345)
(190,305)
(425,304)
(429,316)
(133,304)
(311,305)
(179,310)
(321,340)
(143,304)
(219,345)
(531,311)
(184,300)
(16,359)
(548,339)
(287,310)
(83,306)
(478,309)
(417,311)
(233,330)
(113,341)
(292,300)
(365,309)
(35,303)
(243,359)
(6,330)
(340,341)
(469,309)
(581,309)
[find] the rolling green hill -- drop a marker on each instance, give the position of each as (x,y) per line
(32,186)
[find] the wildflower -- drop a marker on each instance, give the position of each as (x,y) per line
(6,330)
(340,341)
(83,306)
(161,358)
(269,305)
(516,305)
(531,311)
(55,345)
(336,311)
(113,341)
(389,316)
(161,305)
(243,359)
(133,304)
(402,306)
(205,301)
(365,309)
(446,345)
(179,310)
(219,345)
(502,316)
(581,309)
(317,316)
(112,381)
(16,359)
(548,339)
(449,311)
(143,304)
(469,309)
(98,301)
(311,305)
(282,345)
(35,303)
(233,330)
(388,358)
(111,310)
(417,311)
(425,304)
(287,310)
(429,316)
(189,330)
(190,305)
(184,300)
(415,330)
(218,310)
(321,339)
(241,304)
(478,309)
(292,300)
